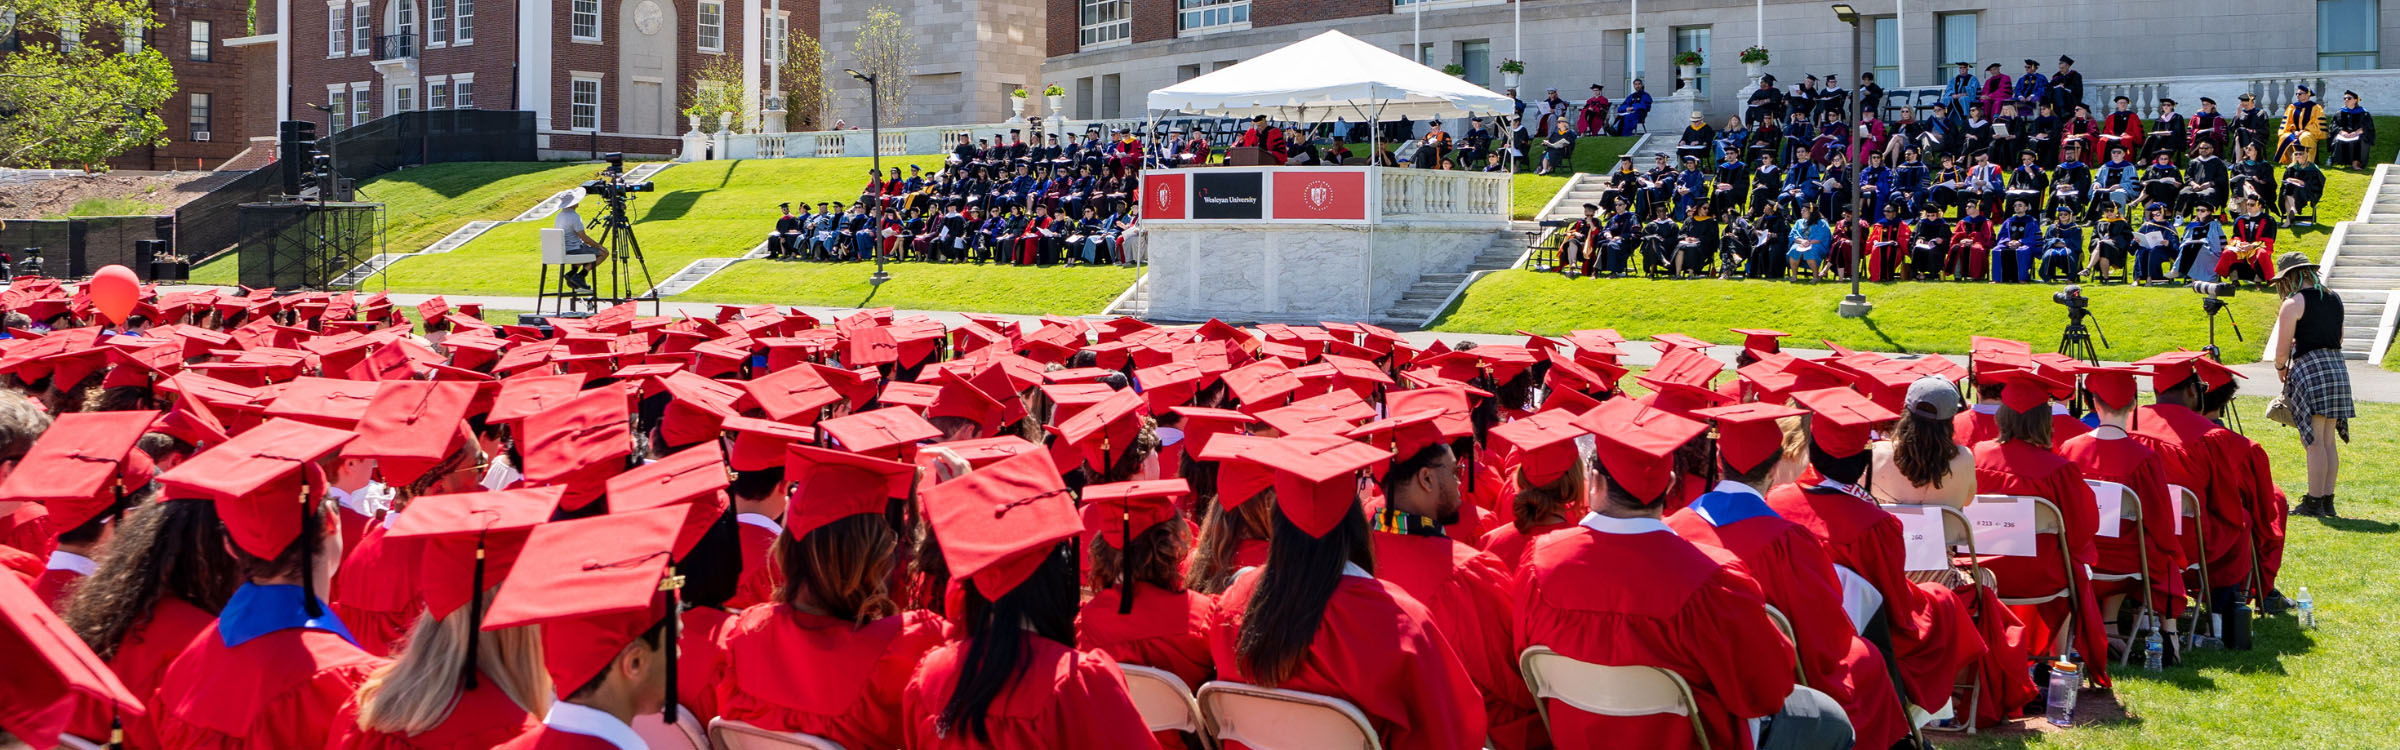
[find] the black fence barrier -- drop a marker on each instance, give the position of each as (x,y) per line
(75,248)
(413,138)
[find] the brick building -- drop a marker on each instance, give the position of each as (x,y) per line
(204,117)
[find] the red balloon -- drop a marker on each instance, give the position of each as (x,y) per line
(114,291)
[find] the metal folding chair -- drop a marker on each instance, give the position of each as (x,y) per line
(1782,623)
(1166,703)
(2049,522)
(1608,690)
(2198,593)
(1958,534)
(1266,718)
(733,734)
(2130,509)
(685,734)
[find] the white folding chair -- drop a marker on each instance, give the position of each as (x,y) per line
(2194,525)
(72,742)
(1958,534)
(2048,521)
(1607,690)
(735,734)
(1782,623)
(685,734)
(1165,701)
(2129,508)
(554,253)
(1270,719)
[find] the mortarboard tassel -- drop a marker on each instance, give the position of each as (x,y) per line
(673,585)
(1125,565)
(475,617)
(308,564)
(116,730)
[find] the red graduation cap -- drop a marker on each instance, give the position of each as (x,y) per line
(693,479)
(588,430)
(891,432)
(1687,366)
(697,408)
(1201,423)
(1260,385)
(2028,390)
(1761,340)
(1100,433)
(857,385)
(832,485)
(192,421)
(998,523)
(522,397)
(1169,385)
(961,399)
(260,481)
(1403,434)
(324,401)
(758,444)
(1843,419)
(1634,445)
(412,425)
(1544,444)
(1300,419)
(1748,434)
(1505,361)
(47,663)
(1573,402)
(77,468)
(594,585)
(918,397)
(1315,477)
(471,540)
(1123,510)
(1570,375)
(2113,387)
(982,452)
(1666,342)
(1238,479)
(1457,411)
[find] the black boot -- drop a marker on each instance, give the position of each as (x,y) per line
(2325,507)
(2308,506)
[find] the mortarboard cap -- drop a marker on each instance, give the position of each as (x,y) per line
(693,479)
(890,432)
(2113,387)
(1123,510)
(832,485)
(412,425)
(594,585)
(1543,444)
(1748,434)
(259,481)
(1633,444)
(997,524)
(758,444)
(1843,419)
(47,664)
(78,467)
(459,530)
(1315,481)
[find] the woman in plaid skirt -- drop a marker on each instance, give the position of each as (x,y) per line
(2308,356)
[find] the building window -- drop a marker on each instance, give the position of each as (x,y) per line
(362,108)
(1633,57)
(437,22)
(362,29)
(203,37)
(1112,89)
(1887,52)
(462,22)
(1694,39)
(779,37)
(70,34)
(583,112)
(1955,33)
(404,26)
(462,92)
(1106,23)
(404,99)
(130,37)
(1212,15)
(1083,98)
(437,95)
(200,117)
(2346,34)
(1186,72)
(712,26)
(584,25)
(1476,57)
(339,102)
(337,30)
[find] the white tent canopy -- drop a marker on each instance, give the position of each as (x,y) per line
(1327,76)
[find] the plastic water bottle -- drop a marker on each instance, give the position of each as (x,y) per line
(2308,609)
(2065,678)
(2154,654)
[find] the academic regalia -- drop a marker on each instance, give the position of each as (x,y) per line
(28,528)
(58,579)
(1509,545)
(698,668)
(1466,592)
(482,717)
(141,661)
(1379,649)
(2027,470)
(2120,129)
(236,686)
(1166,630)
(2131,461)
(2193,451)
(1048,706)
(761,577)
(850,689)
(574,727)
(49,669)
(376,591)
(2269,511)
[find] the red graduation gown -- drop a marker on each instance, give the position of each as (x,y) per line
(2130,461)
(28,528)
(1653,599)
(790,671)
(376,593)
(141,662)
(1972,426)
(55,585)
(1380,650)
(279,691)
(1795,576)
(1166,630)
(546,738)
(1509,545)
(700,662)
(1063,698)
(1933,636)
(2269,510)
(2027,470)
(2194,449)
(1466,592)
(483,717)
(761,579)
(21,564)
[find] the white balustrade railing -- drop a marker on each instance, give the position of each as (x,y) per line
(895,143)
(2273,91)
(1442,195)
(832,143)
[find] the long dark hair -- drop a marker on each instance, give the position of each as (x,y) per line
(1154,556)
(843,567)
(170,549)
(1222,531)
(1922,449)
(998,648)
(2025,426)
(1302,571)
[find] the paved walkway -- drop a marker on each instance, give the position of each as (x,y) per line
(2367,382)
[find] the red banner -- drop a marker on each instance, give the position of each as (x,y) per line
(1331,195)
(1165,196)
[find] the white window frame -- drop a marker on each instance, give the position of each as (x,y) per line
(362,109)
(362,30)
(1941,40)
(337,29)
(404,23)
(338,99)
(201,37)
(577,10)
(462,22)
(437,24)
(711,21)
(1101,24)
(202,111)
(462,91)
(1699,82)
(1198,17)
(70,34)
(575,105)
(779,37)
(130,37)
(404,98)
(437,93)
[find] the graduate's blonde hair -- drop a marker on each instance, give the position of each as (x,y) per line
(417,691)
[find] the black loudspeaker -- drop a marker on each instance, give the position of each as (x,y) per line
(296,149)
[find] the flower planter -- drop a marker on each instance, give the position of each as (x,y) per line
(1687,72)
(1755,69)
(1511,79)
(1021,103)
(1056,107)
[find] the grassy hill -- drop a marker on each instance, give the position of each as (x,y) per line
(423,203)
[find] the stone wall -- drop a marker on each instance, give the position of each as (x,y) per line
(1296,272)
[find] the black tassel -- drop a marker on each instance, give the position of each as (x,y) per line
(1125,566)
(674,634)
(308,566)
(116,731)
(475,617)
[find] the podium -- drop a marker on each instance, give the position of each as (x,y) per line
(1249,156)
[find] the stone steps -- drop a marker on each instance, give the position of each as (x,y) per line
(1425,299)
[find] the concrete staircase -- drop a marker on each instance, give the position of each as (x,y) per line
(461,236)
(1581,188)
(1134,302)
(2362,262)
(700,270)
(1433,292)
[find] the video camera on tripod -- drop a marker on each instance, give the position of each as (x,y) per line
(2076,340)
(611,185)
(2212,301)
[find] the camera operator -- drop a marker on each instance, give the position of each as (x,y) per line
(577,276)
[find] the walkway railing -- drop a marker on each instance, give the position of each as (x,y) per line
(1442,194)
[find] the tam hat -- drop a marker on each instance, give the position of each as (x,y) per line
(832,485)
(411,425)
(1633,443)
(78,468)
(469,542)
(2029,390)
(1843,419)
(1761,340)
(1542,444)
(1315,480)
(258,480)
(891,432)
(595,585)
(1748,434)
(758,444)
(48,665)
(693,479)
(793,394)
(998,524)
(2113,387)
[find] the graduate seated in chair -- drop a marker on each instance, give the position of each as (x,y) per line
(2062,249)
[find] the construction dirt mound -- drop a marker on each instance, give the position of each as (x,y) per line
(117,193)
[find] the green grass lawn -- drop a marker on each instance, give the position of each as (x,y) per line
(1593,154)
(2322,688)
(1024,290)
(699,210)
(1908,316)
(112,207)
(421,204)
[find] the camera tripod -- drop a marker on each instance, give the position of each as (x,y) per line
(616,234)
(2076,341)
(2213,305)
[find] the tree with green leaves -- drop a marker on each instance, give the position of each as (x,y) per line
(79,103)
(807,93)
(716,89)
(887,48)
